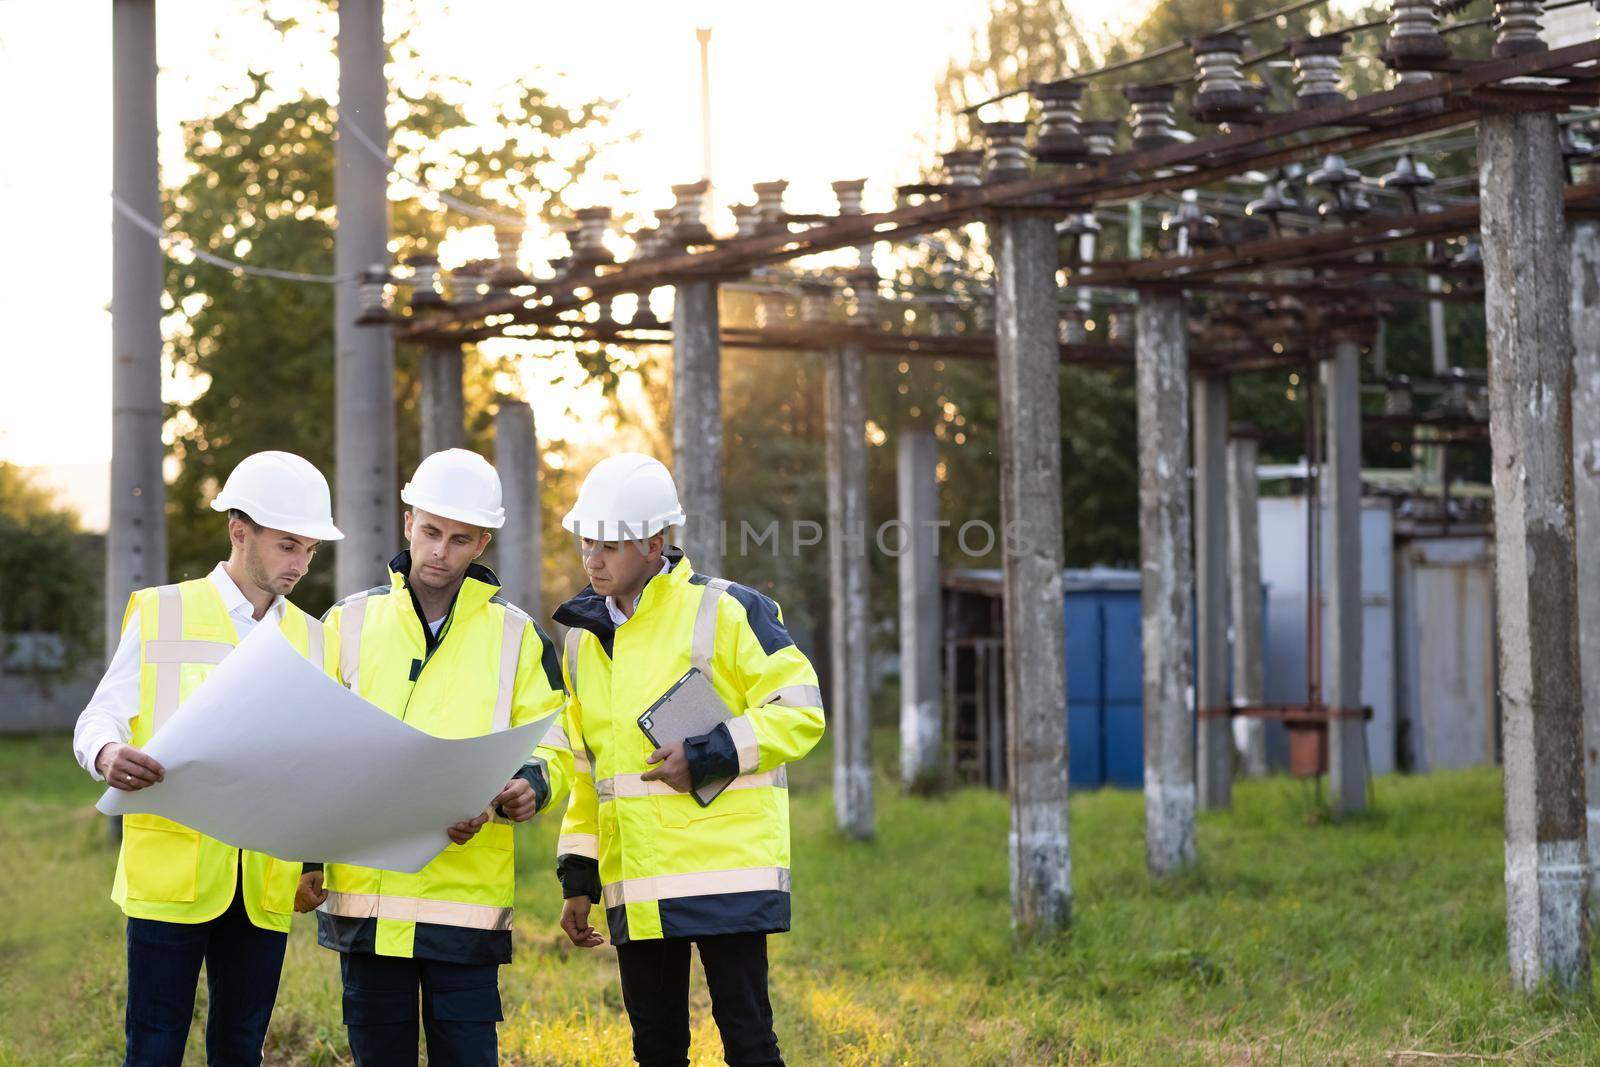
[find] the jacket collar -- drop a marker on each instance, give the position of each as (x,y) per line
(479,585)
(587,610)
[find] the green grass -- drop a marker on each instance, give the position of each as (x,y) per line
(1297,941)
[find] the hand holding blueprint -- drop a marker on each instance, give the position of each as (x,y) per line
(272,755)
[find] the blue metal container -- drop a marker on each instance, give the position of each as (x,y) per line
(1105,705)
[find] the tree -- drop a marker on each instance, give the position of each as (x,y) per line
(256,354)
(46,570)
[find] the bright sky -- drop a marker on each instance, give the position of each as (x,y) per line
(816,92)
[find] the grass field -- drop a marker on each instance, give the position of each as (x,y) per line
(1380,940)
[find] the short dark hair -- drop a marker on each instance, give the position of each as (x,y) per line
(235,513)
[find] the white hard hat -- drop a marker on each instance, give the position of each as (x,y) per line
(626,497)
(457,484)
(281,491)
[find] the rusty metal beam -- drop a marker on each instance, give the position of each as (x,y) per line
(1107,181)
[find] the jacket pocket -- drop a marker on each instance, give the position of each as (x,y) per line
(278,886)
(161,859)
(682,809)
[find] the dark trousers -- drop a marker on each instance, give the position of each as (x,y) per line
(655,990)
(460,1005)
(242,964)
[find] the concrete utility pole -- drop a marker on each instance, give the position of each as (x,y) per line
(1527,290)
(697,420)
(1028,361)
(516,455)
(850,661)
(444,409)
(921,698)
(1214,734)
(136,539)
(366,498)
(703,35)
(1584,237)
(1347,751)
(1244,586)
(1166,582)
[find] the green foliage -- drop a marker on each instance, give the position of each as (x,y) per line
(256,354)
(46,566)
(1297,941)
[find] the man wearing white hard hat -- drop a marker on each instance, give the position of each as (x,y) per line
(190,898)
(439,648)
(669,868)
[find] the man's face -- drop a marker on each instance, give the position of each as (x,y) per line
(274,560)
(620,566)
(442,549)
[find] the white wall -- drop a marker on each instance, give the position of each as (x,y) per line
(1283,570)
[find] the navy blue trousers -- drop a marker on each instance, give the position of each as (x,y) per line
(242,963)
(460,1006)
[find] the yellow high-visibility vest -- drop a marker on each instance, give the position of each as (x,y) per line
(166,870)
(668,867)
(491,668)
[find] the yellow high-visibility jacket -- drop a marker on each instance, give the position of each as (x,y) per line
(662,865)
(490,668)
(165,870)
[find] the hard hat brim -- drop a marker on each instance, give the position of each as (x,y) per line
(315,529)
(487,520)
(619,530)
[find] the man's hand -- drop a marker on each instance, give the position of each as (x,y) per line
(125,767)
(674,769)
(462,832)
(310,893)
(516,801)
(575,921)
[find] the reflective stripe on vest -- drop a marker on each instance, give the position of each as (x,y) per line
(632,786)
(169,674)
(510,651)
(579,845)
(704,644)
(796,696)
(702,884)
(350,620)
(212,652)
(316,649)
(416,910)
(582,762)
(574,635)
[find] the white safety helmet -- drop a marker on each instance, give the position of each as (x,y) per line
(457,484)
(626,497)
(281,491)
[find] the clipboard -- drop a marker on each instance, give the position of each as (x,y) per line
(688,709)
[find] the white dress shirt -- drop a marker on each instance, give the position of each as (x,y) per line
(115,704)
(614,606)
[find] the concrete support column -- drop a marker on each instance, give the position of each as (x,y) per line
(366,498)
(1244,598)
(1527,291)
(516,456)
(850,656)
(1028,362)
(697,420)
(444,409)
(1214,733)
(1166,582)
(1341,586)
(1584,238)
(921,633)
(136,540)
